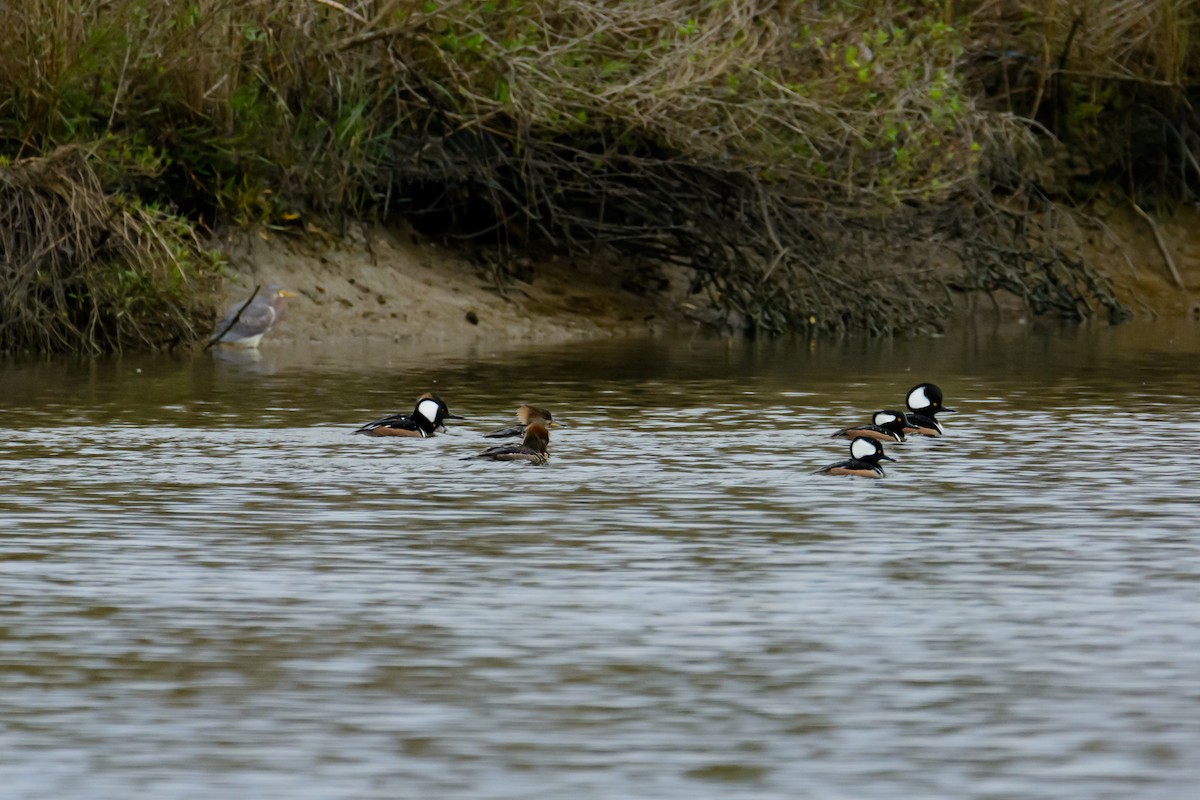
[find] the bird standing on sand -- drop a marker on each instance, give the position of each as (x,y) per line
(246,323)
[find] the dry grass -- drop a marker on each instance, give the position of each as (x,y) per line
(1115,83)
(798,156)
(86,271)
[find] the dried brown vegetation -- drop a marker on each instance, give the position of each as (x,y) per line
(85,270)
(817,165)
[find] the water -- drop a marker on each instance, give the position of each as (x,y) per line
(209,588)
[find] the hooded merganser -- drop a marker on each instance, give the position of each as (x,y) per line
(886,426)
(865,455)
(246,323)
(527,414)
(534,447)
(428,415)
(925,401)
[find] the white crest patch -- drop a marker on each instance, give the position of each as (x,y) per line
(429,410)
(918,399)
(884,417)
(863,448)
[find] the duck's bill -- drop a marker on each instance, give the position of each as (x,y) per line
(454,416)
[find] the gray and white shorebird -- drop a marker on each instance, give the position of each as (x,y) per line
(246,324)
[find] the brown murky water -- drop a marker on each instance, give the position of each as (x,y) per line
(211,589)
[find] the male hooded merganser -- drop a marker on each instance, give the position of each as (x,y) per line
(527,414)
(886,426)
(925,401)
(427,417)
(534,447)
(865,455)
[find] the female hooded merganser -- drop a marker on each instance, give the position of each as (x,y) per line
(886,426)
(534,447)
(865,455)
(925,401)
(527,414)
(427,417)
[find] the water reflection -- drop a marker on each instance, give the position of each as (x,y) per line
(212,588)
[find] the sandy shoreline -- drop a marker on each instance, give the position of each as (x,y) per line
(398,287)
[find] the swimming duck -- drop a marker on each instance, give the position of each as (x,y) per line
(886,426)
(527,414)
(865,455)
(925,402)
(428,415)
(246,323)
(534,447)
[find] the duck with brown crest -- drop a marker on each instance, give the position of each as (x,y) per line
(533,449)
(526,415)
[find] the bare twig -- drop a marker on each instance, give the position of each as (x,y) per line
(1162,245)
(349,12)
(234,321)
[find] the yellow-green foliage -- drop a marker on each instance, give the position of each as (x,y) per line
(258,104)
(847,99)
(255,111)
(250,99)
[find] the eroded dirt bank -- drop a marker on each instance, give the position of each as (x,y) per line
(1154,264)
(393,285)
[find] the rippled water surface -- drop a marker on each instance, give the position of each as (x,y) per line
(210,588)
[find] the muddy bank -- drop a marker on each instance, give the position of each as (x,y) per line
(392,285)
(395,286)
(1154,264)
